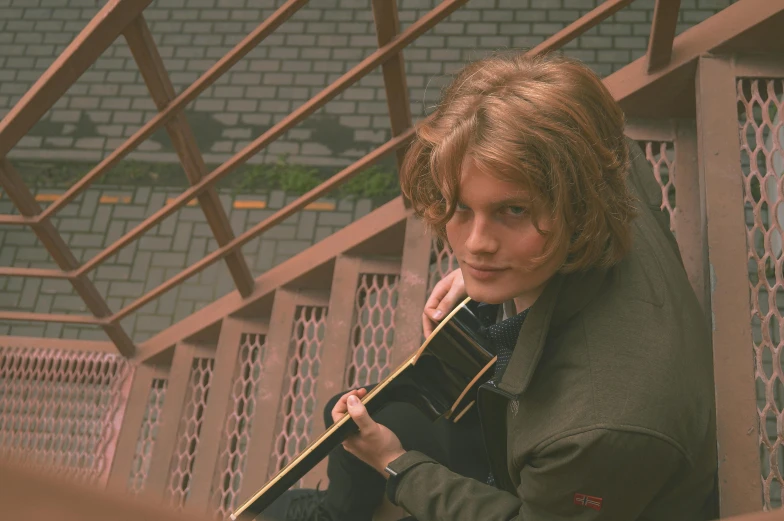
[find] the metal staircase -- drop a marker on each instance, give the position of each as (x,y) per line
(204,412)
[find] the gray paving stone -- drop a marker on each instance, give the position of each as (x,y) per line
(306,226)
(168,259)
(29,295)
(15,285)
(68,303)
(334,219)
(113,273)
(322,232)
(131,289)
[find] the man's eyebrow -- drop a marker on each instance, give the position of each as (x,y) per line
(509,200)
(520,200)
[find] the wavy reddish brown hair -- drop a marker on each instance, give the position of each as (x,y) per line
(547,123)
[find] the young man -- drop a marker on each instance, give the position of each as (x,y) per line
(601,404)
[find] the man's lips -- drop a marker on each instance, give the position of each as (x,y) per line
(480,267)
(484,273)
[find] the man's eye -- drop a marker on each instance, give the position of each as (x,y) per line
(461,206)
(516,210)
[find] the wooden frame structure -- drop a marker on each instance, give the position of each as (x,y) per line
(680,94)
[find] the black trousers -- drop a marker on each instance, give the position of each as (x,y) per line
(356,489)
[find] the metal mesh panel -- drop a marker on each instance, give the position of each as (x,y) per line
(148,433)
(237,431)
(442,262)
(661,155)
(761,135)
(189,431)
(58,409)
(299,399)
(374,329)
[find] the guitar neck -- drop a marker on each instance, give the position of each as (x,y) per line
(439,380)
(393,388)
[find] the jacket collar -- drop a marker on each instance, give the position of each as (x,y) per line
(563,297)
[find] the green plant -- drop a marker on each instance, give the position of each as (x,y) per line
(373,182)
(376,182)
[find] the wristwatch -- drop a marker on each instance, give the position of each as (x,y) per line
(392,482)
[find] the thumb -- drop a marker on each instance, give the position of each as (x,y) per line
(358,413)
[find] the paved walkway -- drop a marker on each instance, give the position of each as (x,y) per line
(102,215)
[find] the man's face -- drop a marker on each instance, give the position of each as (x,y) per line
(492,229)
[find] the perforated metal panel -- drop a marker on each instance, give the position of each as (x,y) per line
(661,155)
(148,433)
(374,329)
(442,262)
(58,409)
(760,105)
(239,423)
(189,431)
(299,398)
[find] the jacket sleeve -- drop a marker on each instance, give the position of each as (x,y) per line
(598,475)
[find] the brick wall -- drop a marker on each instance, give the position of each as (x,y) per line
(322,41)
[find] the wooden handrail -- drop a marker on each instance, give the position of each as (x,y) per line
(268,26)
(266,224)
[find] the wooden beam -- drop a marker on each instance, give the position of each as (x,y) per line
(135,408)
(394,71)
(250,234)
(412,292)
(722,179)
(665,17)
(150,63)
(266,419)
(669,88)
(341,84)
(171,416)
(690,221)
(605,10)
(23,199)
(219,406)
(81,53)
(8,271)
(63,318)
(337,347)
(319,255)
(264,29)
(67,344)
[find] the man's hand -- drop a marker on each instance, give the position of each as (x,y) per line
(374,444)
(447,293)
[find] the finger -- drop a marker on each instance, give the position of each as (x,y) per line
(340,409)
(359,414)
(427,325)
(456,294)
(440,290)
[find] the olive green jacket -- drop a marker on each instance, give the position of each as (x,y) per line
(605,411)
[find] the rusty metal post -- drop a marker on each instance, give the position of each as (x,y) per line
(337,345)
(165,445)
(218,407)
(414,274)
(690,225)
(720,175)
(261,444)
(135,408)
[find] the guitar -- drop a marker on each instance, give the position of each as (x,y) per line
(440,379)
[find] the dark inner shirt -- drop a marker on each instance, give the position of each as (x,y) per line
(504,338)
(503,334)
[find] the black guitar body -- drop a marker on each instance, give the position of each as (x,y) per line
(440,379)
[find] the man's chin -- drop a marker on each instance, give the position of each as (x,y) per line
(484,294)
